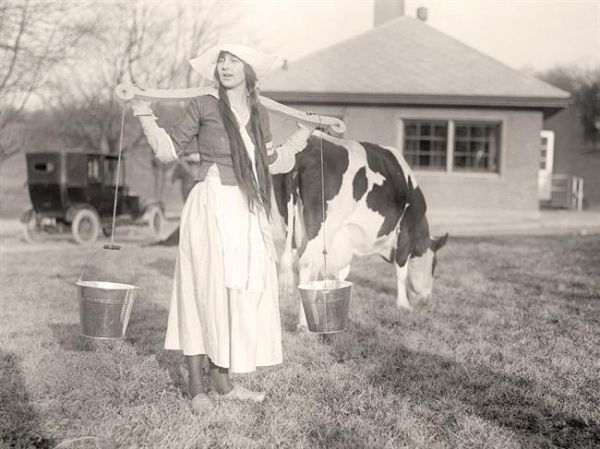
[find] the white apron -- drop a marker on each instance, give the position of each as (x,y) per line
(225,298)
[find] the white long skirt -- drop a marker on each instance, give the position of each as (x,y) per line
(225,300)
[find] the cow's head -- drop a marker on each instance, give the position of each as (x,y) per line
(421,270)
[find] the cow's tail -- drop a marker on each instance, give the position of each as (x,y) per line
(287,262)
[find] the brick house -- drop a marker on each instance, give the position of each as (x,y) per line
(468,124)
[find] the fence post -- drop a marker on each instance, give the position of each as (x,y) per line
(580,194)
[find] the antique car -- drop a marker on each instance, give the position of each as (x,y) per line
(74,191)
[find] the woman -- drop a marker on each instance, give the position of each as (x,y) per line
(225,296)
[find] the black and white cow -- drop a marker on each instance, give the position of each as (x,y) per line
(373,205)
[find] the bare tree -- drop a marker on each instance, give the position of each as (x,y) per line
(35,37)
(584,84)
(145,43)
(11,142)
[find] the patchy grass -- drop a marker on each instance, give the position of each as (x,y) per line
(505,355)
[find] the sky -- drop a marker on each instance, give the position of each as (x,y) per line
(524,34)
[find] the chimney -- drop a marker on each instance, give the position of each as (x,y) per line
(386,10)
(422,14)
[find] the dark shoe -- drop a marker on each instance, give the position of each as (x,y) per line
(240,393)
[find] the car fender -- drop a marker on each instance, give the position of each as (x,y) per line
(148,205)
(152,202)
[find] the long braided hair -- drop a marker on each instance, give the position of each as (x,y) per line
(258,192)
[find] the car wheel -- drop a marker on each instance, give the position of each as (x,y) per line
(85,226)
(32,231)
(156,221)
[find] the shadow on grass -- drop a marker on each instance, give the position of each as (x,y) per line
(19,422)
(164,266)
(509,402)
(146,332)
(374,285)
(69,337)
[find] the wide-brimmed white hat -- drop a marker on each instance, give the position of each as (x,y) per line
(261,62)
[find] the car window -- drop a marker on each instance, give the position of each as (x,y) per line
(44,167)
(93,169)
(110,172)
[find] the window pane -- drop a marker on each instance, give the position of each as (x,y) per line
(426,143)
(93,168)
(477,147)
(110,172)
(439,146)
(424,160)
(438,159)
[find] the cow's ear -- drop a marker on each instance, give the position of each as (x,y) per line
(438,242)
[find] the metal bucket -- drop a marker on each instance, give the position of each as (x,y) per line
(104,308)
(326,305)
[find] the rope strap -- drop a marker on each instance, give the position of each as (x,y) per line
(323,208)
(114,216)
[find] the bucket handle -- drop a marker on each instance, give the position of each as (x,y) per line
(110,246)
(325,279)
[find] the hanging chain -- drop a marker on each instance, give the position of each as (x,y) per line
(323,207)
(112,231)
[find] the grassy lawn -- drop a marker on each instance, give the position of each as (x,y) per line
(505,355)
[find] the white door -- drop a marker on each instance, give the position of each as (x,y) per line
(546,165)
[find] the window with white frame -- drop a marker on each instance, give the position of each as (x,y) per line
(452,145)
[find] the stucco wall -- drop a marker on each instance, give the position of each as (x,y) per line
(512,191)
